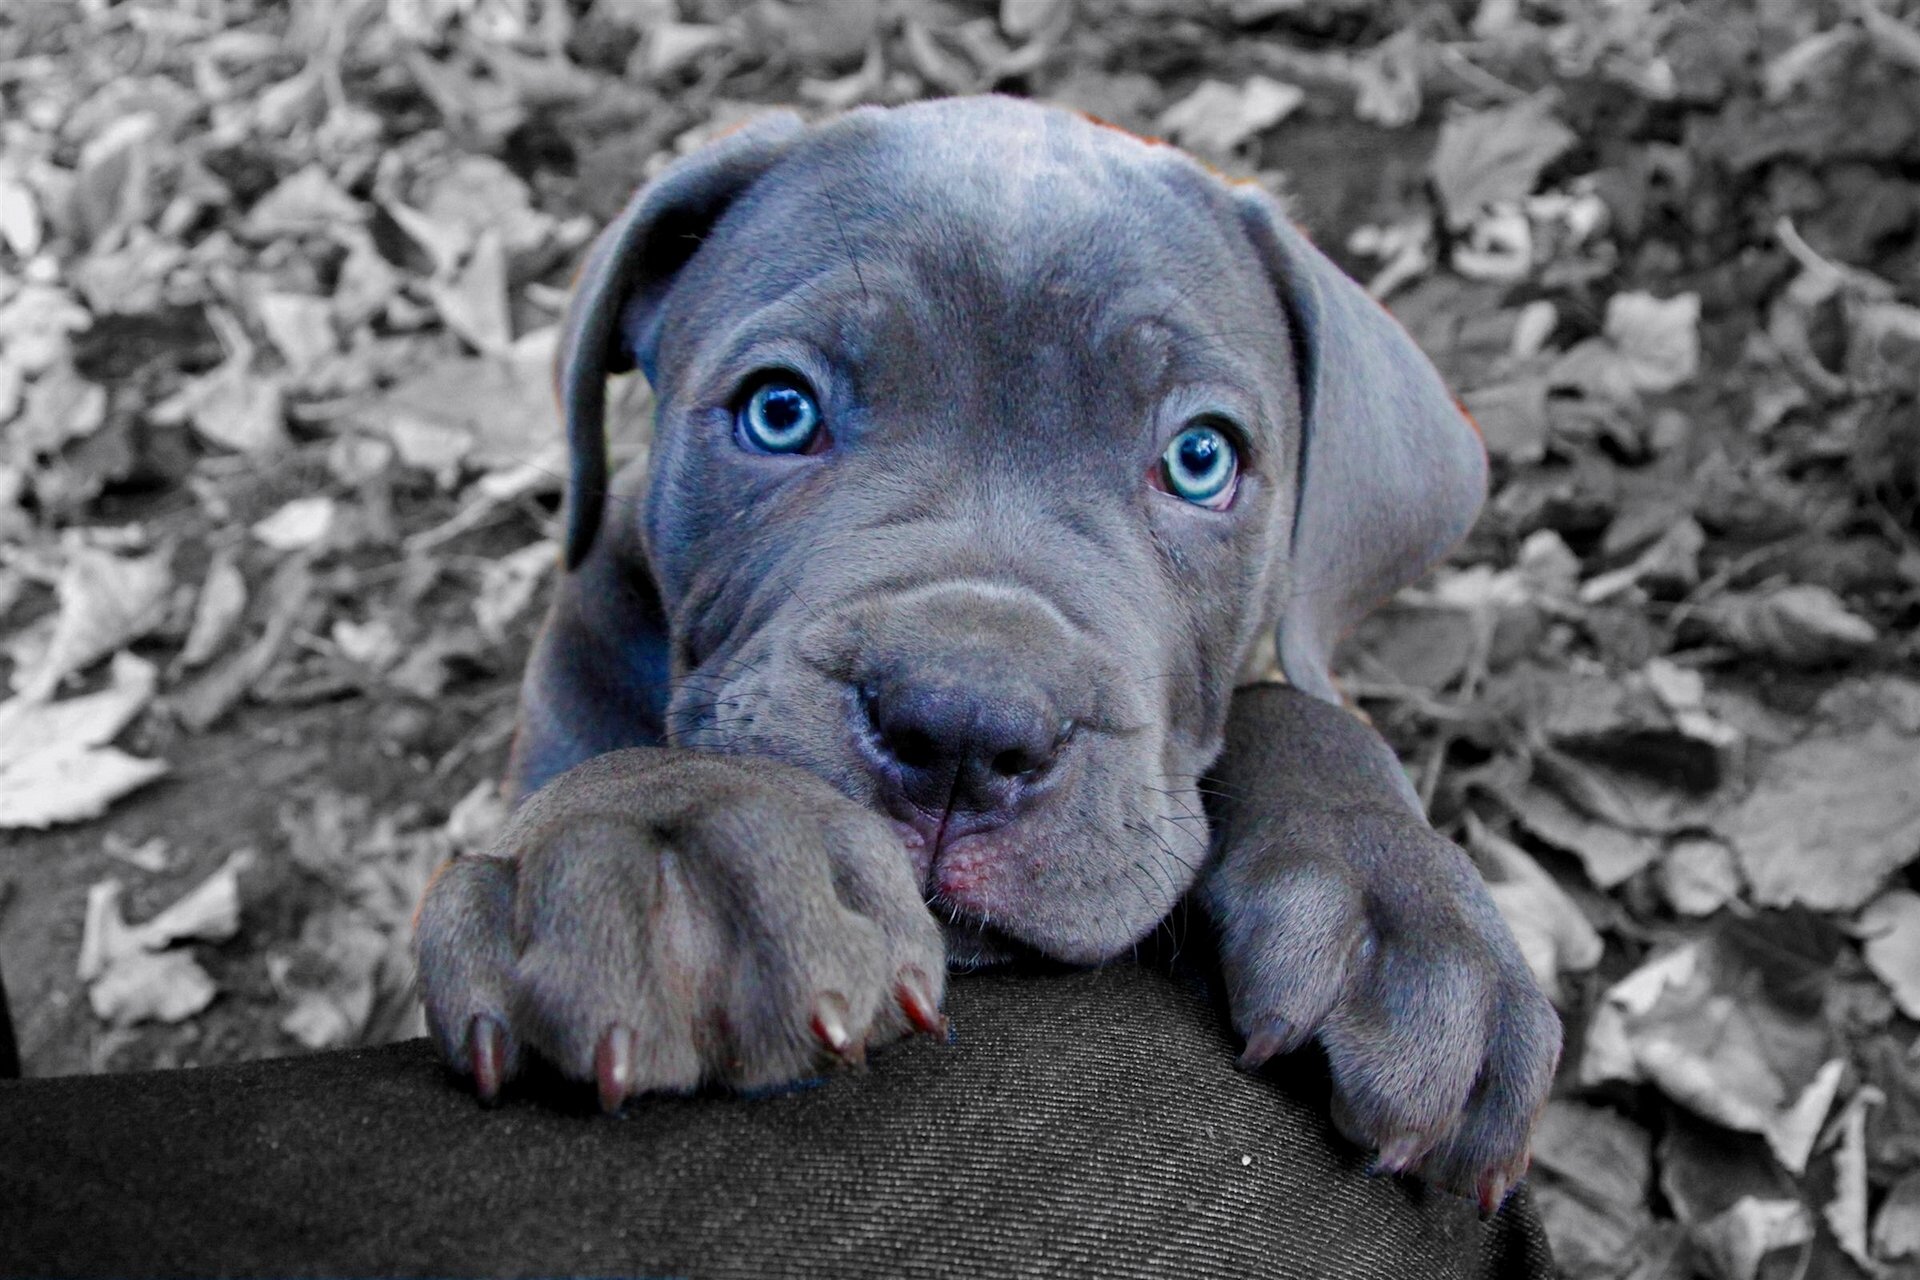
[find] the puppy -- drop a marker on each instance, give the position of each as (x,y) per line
(997,453)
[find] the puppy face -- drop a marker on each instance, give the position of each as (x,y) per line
(971,491)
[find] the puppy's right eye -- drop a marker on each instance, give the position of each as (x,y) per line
(781,416)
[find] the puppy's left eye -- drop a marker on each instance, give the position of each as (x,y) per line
(781,416)
(1200,465)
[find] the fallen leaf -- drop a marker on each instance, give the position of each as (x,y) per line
(1486,158)
(1610,854)
(300,327)
(106,601)
(307,203)
(216,612)
(480,194)
(162,986)
(1696,1022)
(473,302)
(131,971)
(1890,933)
(30,728)
(1699,876)
(36,327)
(201,704)
(1829,819)
(234,407)
(1803,625)
(332,992)
(1647,344)
(1554,935)
(209,912)
(1792,1133)
(300,525)
(56,787)
(1896,1229)
(1217,117)
(1593,1172)
(19,218)
(60,407)
(1736,1241)
(1846,1213)
(507,587)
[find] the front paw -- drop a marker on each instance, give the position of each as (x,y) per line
(659,920)
(1367,931)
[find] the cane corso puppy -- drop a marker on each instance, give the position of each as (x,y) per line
(998,455)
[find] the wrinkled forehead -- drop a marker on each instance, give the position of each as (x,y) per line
(976,222)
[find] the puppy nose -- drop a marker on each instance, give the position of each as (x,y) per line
(948,743)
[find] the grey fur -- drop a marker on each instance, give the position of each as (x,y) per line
(1007,311)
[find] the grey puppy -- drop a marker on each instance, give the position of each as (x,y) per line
(997,452)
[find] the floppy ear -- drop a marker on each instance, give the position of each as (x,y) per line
(1392,471)
(622,283)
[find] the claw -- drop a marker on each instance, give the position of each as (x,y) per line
(1268,1043)
(487,1054)
(1494,1186)
(915,994)
(1399,1154)
(613,1067)
(830,1015)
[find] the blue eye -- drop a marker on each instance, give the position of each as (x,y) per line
(1201,466)
(780,417)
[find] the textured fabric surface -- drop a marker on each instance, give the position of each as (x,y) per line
(1089,1123)
(9,1052)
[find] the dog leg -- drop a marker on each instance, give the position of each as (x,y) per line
(1344,918)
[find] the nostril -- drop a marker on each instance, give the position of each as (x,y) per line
(912,748)
(1012,764)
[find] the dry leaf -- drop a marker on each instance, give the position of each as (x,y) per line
(1593,1174)
(217,611)
(1896,1230)
(308,203)
(1698,875)
(163,986)
(19,218)
(1553,934)
(1610,853)
(1736,1241)
(30,728)
(300,525)
(56,787)
(1488,158)
(60,407)
(36,324)
(473,303)
(1216,117)
(1890,933)
(131,974)
(1792,1133)
(1803,625)
(235,408)
(507,587)
(106,601)
(1846,1213)
(1829,819)
(300,327)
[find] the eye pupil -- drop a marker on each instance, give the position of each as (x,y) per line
(1198,450)
(783,407)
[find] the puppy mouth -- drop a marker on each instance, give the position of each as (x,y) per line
(973,943)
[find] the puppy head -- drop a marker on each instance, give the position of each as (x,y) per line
(990,443)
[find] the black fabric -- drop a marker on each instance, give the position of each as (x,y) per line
(9,1051)
(1089,1123)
